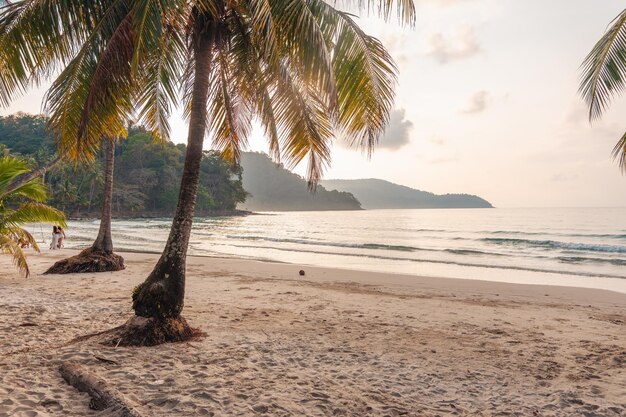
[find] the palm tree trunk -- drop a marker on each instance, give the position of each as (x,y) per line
(99,257)
(104,241)
(29,176)
(162,294)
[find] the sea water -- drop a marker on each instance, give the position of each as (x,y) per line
(583,247)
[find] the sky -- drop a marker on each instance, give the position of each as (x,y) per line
(486,104)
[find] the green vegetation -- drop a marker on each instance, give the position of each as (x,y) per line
(21,203)
(274,188)
(604,76)
(146,179)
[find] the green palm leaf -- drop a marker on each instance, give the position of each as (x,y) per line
(158,88)
(604,76)
(9,246)
(10,168)
(37,37)
(33,190)
(91,98)
(604,68)
(619,152)
(33,213)
(14,215)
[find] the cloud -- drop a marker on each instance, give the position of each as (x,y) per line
(398,46)
(560,177)
(444,160)
(478,103)
(397,132)
(462,46)
(437,140)
(576,121)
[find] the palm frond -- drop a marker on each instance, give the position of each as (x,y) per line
(9,246)
(604,69)
(619,153)
(211,7)
(303,43)
(37,37)
(33,213)
(34,189)
(404,9)
(250,82)
(230,118)
(10,169)
(109,87)
(11,219)
(20,235)
(305,124)
(365,74)
(263,29)
(91,98)
(158,86)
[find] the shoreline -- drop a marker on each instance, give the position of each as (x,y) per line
(582,280)
(412,281)
(148,215)
(333,342)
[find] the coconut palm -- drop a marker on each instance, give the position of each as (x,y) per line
(302,68)
(19,205)
(604,76)
(99,257)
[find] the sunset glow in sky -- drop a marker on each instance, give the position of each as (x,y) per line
(487,104)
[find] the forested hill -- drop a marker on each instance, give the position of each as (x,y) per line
(146,178)
(274,188)
(380,194)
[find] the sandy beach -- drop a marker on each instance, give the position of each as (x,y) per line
(331,343)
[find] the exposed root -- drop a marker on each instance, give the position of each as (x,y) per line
(141,331)
(88,260)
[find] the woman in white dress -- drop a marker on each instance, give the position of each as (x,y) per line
(60,236)
(55,238)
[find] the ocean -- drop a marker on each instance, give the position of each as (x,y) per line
(583,247)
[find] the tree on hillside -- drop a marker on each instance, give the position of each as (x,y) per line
(147,175)
(20,205)
(302,68)
(604,76)
(25,134)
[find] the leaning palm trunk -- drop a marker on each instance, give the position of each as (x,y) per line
(161,297)
(40,173)
(99,257)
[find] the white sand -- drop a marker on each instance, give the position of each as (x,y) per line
(334,342)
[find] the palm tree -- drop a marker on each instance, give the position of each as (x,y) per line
(20,204)
(99,257)
(604,76)
(303,68)
(104,240)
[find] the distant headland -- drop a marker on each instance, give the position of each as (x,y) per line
(272,187)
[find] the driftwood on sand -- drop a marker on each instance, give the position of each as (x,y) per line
(102,395)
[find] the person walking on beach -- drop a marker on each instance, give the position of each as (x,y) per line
(60,237)
(55,238)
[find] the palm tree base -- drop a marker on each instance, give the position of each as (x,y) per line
(89,260)
(143,331)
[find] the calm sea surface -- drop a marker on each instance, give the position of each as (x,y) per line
(577,247)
